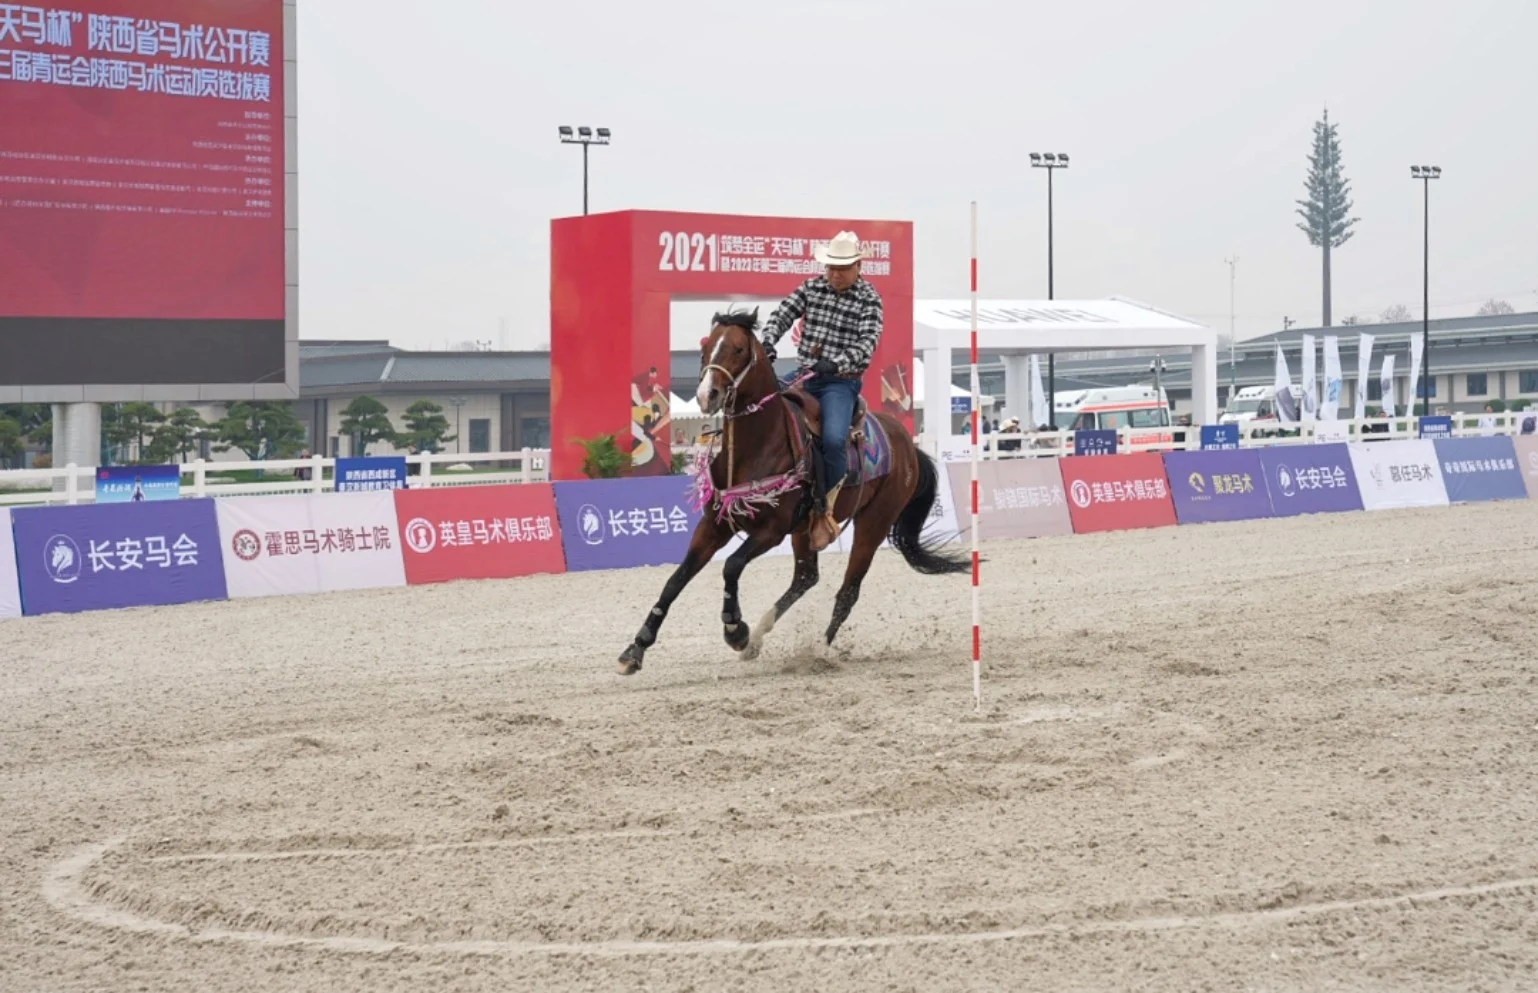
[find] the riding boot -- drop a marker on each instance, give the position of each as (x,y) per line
(825,524)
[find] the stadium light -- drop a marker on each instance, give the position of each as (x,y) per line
(1425,174)
(584,136)
(1050,161)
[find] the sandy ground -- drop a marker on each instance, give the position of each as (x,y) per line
(1275,756)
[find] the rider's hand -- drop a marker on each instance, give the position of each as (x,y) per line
(769,351)
(825,367)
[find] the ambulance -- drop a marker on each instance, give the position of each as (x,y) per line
(1253,403)
(1143,409)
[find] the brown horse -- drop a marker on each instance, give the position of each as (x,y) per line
(758,485)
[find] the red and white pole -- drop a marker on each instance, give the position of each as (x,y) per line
(977,621)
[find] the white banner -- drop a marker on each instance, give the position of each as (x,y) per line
(1286,401)
(1414,395)
(310,543)
(1363,374)
(1310,381)
(1329,403)
(942,525)
(1386,381)
(1395,474)
(10,589)
(1039,413)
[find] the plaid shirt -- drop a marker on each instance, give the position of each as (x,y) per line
(843,327)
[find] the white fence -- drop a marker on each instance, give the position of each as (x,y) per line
(75,484)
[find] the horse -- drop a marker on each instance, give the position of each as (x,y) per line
(758,485)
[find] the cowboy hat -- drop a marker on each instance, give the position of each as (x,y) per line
(844,249)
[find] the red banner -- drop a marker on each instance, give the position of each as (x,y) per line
(1117,492)
(141,174)
(613,278)
(479,532)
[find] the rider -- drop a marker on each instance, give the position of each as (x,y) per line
(842,321)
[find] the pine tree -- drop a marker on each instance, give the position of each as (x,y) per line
(1327,208)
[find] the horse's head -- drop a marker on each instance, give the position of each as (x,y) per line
(729,355)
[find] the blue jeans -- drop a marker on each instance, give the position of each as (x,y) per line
(838,398)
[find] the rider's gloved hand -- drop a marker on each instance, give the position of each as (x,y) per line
(769,351)
(825,367)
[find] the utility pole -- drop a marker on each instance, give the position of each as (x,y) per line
(1232,261)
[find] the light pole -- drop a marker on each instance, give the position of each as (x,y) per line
(584,137)
(1232,375)
(1051,162)
(1157,368)
(1426,174)
(459,441)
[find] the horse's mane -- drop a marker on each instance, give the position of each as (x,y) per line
(745,319)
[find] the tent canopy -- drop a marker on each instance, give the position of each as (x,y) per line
(956,391)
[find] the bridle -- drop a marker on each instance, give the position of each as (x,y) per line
(730,395)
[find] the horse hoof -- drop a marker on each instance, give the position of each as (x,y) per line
(738,636)
(630,661)
(751,652)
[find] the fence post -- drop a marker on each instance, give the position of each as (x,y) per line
(526,465)
(425,477)
(317,473)
(71,485)
(200,478)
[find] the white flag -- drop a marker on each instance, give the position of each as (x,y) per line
(1413,397)
(1363,374)
(1039,414)
(1329,406)
(1310,381)
(1386,380)
(1286,403)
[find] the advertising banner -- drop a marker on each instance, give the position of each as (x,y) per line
(1396,474)
(310,543)
(1527,459)
(479,532)
(371,473)
(100,90)
(1219,437)
(1019,498)
(1094,442)
(92,557)
(1117,492)
(138,483)
(1436,426)
(10,587)
(621,523)
(1475,469)
(1310,479)
(1217,485)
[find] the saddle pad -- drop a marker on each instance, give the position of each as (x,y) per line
(874,455)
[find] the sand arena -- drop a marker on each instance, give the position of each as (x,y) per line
(1278,755)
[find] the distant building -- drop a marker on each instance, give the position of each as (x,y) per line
(500,401)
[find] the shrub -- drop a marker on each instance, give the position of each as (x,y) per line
(604,459)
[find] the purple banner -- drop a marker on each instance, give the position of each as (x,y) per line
(1310,479)
(1217,485)
(1476,469)
(100,556)
(619,523)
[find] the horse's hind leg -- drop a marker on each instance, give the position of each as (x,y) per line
(757,543)
(867,539)
(804,579)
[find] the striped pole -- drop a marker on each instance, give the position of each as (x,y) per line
(977,624)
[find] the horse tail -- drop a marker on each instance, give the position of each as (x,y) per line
(908,530)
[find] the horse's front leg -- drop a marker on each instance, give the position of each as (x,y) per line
(709,538)
(804,579)
(758,542)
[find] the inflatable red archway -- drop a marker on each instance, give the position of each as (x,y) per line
(613,278)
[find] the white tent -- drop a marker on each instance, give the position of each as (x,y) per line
(1014,329)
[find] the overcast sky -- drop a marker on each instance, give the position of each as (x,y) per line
(430,166)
